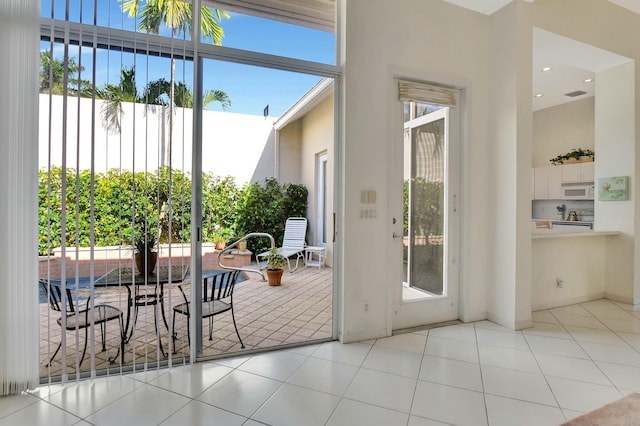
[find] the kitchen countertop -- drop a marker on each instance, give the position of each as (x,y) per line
(562,233)
(570,222)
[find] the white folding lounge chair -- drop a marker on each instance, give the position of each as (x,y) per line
(293,243)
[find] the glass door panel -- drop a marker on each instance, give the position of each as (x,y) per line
(424,214)
(262,135)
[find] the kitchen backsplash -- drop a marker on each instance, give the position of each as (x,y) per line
(548,209)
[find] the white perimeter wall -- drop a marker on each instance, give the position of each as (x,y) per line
(238,145)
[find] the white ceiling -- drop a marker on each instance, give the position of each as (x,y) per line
(571,61)
(486,7)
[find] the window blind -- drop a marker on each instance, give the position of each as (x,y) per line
(427,93)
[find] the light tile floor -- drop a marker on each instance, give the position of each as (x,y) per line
(573,360)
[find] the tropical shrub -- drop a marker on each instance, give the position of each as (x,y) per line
(266,209)
(132,207)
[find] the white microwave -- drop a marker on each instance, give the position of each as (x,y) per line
(578,192)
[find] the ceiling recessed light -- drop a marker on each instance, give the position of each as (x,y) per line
(588,80)
(546,69)
(539,95)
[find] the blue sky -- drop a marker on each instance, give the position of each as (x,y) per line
(250,88)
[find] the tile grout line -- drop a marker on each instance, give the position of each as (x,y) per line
(484,393)
(546,380)
(415,388)
(350,382)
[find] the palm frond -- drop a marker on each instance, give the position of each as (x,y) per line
(210,96)
(111,109)
(210,24)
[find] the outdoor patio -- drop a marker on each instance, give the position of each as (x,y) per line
(298,310)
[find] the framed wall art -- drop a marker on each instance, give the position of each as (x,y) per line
(612,188)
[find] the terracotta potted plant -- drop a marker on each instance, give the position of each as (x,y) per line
(220,241)
(275,262)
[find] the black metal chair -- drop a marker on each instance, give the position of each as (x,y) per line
(81,317)
(217,297)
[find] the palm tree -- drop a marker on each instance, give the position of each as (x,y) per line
(211,96)
(52,75)
(115,95)
(176,15)
(156,93)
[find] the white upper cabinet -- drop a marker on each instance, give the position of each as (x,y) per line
(576,173)
(546,183)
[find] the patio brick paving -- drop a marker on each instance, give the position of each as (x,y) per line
(299,310)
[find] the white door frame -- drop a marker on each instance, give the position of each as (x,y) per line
(321,199)
(423,311)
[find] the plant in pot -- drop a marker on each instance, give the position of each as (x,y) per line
(275,262)
(220,237)
(220,241)
(576,155)
(242,245)
(145,245)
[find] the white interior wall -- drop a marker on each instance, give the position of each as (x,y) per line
(511,119)
(441,54)
(615,143)
(578,262)
(562,128)
(594,28)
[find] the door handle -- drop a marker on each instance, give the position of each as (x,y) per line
(397,236)
(334,228)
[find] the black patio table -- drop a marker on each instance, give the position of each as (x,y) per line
(130,277)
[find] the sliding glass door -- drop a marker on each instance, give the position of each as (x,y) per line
(148,161)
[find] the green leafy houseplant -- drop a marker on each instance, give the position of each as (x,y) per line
(275,262)
(575,154)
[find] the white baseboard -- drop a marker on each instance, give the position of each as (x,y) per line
(623,299)
(363,335)
(478,316)
(569,301)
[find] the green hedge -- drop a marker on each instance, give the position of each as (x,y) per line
(427,206)
(128,205)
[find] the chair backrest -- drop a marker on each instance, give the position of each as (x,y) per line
(219,286)
(295,232)
(53,290)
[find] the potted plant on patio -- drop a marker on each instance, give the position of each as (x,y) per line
(145,246)
(275,262)
(220,241)
(242,245)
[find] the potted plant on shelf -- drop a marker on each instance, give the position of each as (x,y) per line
(577,155)
(275,262)
(220,241)
(242,245)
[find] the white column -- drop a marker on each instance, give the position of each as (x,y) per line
(19,354)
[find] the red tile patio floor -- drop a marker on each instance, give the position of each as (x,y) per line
(299,310)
